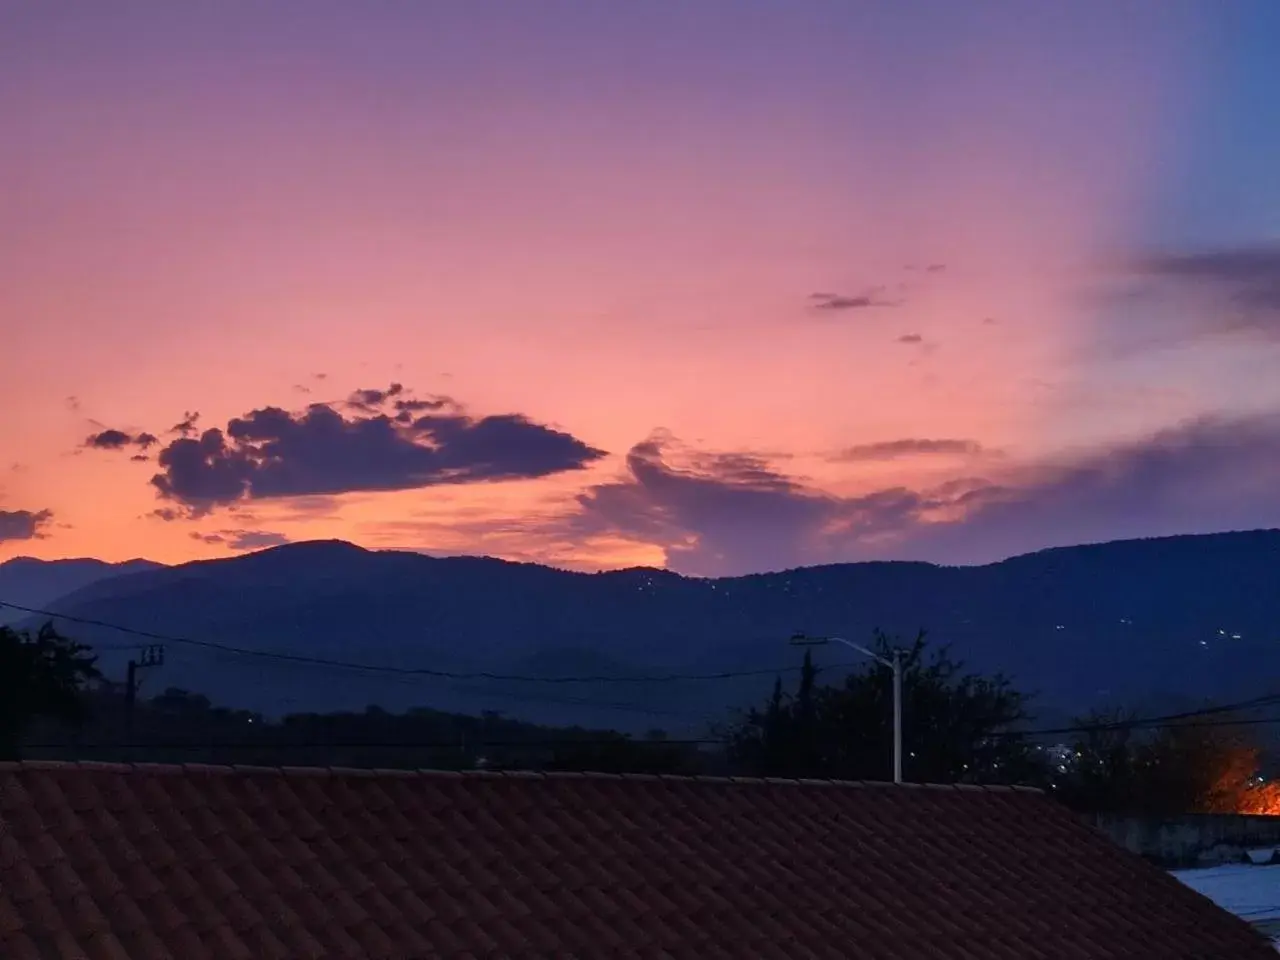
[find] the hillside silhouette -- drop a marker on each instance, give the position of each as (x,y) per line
(39,582)
(1139,623)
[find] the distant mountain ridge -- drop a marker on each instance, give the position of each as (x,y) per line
(36,583)
(1129,622)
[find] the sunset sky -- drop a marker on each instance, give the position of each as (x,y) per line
(724,285)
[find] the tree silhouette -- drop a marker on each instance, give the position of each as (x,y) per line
(1193,766)
(957,726)
(41,676)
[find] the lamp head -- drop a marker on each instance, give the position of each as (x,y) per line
(804,640)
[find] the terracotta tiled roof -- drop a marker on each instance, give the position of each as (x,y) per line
(145,862)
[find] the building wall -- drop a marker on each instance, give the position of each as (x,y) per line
(1195,839)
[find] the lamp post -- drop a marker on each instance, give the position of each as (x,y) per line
(894,664)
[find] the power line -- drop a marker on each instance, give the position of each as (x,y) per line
(1105,726)
(1166,720)
(400,671)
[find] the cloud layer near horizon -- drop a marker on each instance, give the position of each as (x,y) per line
(730,514)
(712,513)
(239,541)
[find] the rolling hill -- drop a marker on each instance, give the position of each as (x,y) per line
(40,582)
(1139,623)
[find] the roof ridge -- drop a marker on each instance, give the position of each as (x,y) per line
(19,766)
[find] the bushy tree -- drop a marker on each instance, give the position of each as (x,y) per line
(958,726)
(42,675)
(1199,765)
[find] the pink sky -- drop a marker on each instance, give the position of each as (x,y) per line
(612,232)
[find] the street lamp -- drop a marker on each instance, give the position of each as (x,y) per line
(801,640)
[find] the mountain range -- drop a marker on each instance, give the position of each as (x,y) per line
(39,582)
(1141,624)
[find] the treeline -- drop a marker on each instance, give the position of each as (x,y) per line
(182,727)
(963,727)
(958,727)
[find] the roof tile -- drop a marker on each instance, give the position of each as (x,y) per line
(115,861)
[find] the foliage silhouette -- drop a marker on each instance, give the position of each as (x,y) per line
(42,675)
(1186,767)
(958,727)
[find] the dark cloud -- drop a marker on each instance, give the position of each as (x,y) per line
(112,439)
(24,524)
(935,268)
(407,409)
(725,511)
(1245,281)
(911,338)
(374,399)
(395,400)
(273,453)
(187,425)
(1200,476)
(240,540)
(109,440)
(909,447)
(72,403)
(840,301)
(717,519)
(1252,273)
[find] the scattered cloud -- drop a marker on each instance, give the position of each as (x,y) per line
(908,447)
(240,540)
(863,301)
(108,440)
(187,425)
(406,408)
(112,439)
(311,508)
(371,399)
(716,518)
(24,524)
(911,338)
(374,441)
(72,403)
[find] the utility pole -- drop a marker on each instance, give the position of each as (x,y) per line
(152,656)
(895,664)
(897,715)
